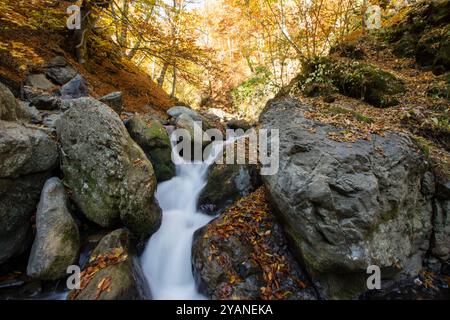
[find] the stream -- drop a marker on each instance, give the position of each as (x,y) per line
(166,260)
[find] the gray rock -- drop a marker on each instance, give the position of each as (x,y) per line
(39,81)
(25,150)
(18,200)
(153,138)
(177,111)
(75,88)
(127,281)
(114,100)
(226,183)
(441,230)
(8,104)
(110,176)
(25,111)
(224,259)
(220,114)
(346,206)
(26,158)
(46,102)
(49,120)
(194,128)
(57,239)
(59,70)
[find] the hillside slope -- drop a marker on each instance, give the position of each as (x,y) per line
(31,33)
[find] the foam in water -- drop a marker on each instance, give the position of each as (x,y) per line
(167,258)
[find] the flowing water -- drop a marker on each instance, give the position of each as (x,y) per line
(166,260)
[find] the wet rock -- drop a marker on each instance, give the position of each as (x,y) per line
(346,208)
(75,88)
(226,183)
(441,230)
(27,157)
(114,100)
(241,254)
(412,289)
(57,239)
(153,138)
(110,176)
(121,275)
(59,70)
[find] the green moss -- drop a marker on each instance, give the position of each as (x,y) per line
(424,33)
(356,80)
(153,138)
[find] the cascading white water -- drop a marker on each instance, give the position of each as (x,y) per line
(166,260)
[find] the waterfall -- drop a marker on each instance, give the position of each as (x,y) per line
(166,260)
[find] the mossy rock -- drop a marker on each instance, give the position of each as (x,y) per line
(127,281)
(424,34)
(357,80)
(433,49)
(153,138)
(110,177)
(226,183)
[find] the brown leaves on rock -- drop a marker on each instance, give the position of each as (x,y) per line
(95,264)
(250,220)
(102,286)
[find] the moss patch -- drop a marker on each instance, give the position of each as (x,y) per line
(357,80)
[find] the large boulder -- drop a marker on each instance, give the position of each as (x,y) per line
(8,104)
(57,239)
(110,176)
(153,138)
(243,255)
(27,157)
(113,272)
(347,206)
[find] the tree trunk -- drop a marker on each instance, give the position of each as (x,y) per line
(174,82)
(124,26)
(81,35)
(87,23)
(163,74)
